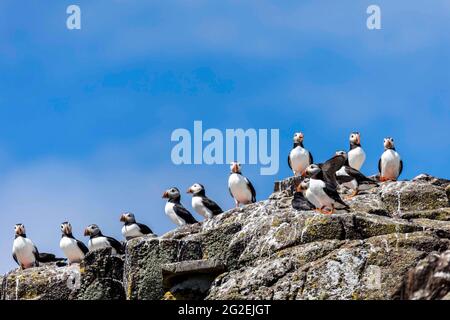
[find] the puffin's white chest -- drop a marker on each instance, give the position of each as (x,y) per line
(198,206)
(239,188)
(100,243)
(356,158)
(23,248)
(299,159)
(71,250)
(316,195)
(353,184)
(170,212)
(131,231)
(390,164)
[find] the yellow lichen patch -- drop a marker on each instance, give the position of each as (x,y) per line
(169,296)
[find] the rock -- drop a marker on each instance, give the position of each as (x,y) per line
(190,280)
(412,196)
(429,280)
(144,260)
(441,228)
(101,276)
(47,282)
(435,214)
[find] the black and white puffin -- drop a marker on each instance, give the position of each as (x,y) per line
(132,229)
(327,171)
(25,253)
(299,158)
(356,154)
(175,210)
(322,195)
(299,202)
(390,165)
(201,203)
(241,189)
(354,180)
(73,249)
(98,241)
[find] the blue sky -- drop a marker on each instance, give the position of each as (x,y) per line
(86,115)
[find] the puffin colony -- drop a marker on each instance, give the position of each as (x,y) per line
(318,187)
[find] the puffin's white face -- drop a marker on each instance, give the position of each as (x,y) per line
(172,193)
(92,230)
(389,143)
(355,138)
(298,137)
(311,170)
(19,229)
(235,167)
(342,153)
(127,217)
(303,186)
(66,228)
(195,188)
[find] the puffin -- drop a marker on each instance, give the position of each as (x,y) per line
(354,180)
(322,195)
(327,171)
(98,241)
(132,229)
(240,188)
(299,202)
(390,165)
(73,249)
(299,158)
(356,154)
(25,253)
(175,210)
(201,203)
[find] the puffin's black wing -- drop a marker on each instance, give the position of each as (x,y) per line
(311,159)
(115,244)
(184,214)
(252,189)
(212,206)
(15,259)
(48,257)
(330,168)
(231,194)
(301,203)
(360,178)
(289,161)
(344,179)
(144,229)
(401,168)
(333,194)
(36,253)
(82,246)
(379,166)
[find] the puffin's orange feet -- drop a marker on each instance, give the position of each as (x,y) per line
(324,211)
(355,192)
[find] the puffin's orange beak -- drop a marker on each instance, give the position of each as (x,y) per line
(235,168)
(358,139)
(165,195)
(304,173)
(122,218)
(189,190)
(87,232)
